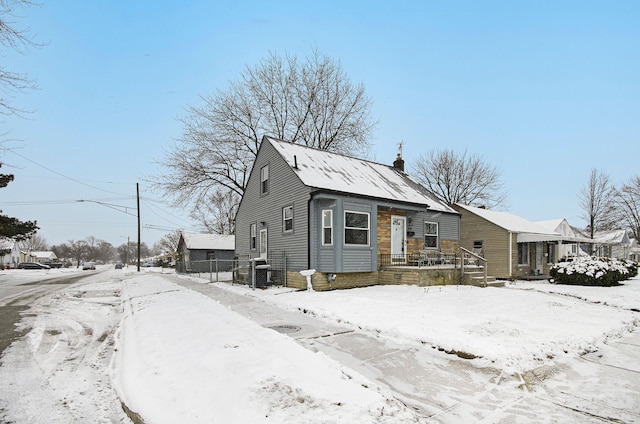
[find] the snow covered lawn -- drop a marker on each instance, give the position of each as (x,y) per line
(182,357)
(515,329)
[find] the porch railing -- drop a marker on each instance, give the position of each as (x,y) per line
(470,258)
(419,259)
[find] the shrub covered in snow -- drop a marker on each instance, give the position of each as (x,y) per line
(594,271)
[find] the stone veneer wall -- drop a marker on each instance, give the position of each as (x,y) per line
(412,276)
(384,229)
(320,280)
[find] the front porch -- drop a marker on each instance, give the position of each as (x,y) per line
(430,268)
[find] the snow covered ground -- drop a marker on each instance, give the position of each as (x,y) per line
(172,354)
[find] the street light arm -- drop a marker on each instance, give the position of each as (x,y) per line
(119,208)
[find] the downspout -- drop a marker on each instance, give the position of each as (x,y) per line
(309,225)
(510,254)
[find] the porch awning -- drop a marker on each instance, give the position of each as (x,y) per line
(534,237)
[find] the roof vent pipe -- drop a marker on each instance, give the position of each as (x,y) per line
(295,162)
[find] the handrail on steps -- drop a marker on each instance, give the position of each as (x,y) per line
(484,265)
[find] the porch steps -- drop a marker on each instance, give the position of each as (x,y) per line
(476,278)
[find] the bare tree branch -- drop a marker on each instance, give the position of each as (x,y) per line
(597,201)
(459,178)
(18,40)
(628,205)
(310,102)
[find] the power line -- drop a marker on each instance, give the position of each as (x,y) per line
(62,175)
(55,202)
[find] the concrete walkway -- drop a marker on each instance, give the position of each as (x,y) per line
(446,389)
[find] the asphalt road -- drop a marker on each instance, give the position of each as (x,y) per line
(15,298)
(57,368)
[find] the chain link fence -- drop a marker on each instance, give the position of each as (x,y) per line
(213,269)
(259,272)
(256,272)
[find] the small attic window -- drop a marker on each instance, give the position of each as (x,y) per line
(264,180)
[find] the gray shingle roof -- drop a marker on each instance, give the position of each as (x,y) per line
(330,171)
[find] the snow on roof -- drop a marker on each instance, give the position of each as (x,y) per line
(509,221)
(331,171)
(6,243)
(40,254)
(562,226)
(611,237)
(209,241)
(550,224)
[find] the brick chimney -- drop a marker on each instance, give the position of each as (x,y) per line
(399,163)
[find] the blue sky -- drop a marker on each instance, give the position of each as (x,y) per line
(543,90)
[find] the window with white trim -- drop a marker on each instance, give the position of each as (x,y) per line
(327,227)
(264,180)
(287,219)
(356,228)
(252,236)
(430,235)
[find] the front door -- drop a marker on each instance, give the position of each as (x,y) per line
(398,238)
(263,244)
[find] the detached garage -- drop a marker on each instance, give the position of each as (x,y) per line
(199,252)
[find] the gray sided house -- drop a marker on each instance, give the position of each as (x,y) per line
(338,215)
(202,252)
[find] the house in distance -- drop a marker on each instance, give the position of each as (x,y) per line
(201,252)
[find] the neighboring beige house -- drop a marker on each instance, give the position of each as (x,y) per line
(567,250)
(512,246)
(612,244)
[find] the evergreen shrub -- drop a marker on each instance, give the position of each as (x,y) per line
(604,272)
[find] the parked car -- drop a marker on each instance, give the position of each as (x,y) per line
(89,265)
(54,264)
(119,265)
(32,265)
(147,265)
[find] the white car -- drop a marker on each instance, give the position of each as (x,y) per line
(89,265)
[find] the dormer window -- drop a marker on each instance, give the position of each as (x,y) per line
(264,180)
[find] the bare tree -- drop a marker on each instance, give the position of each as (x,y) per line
(17,39)
(104,251)
(597,201)
(312,103)
(35,242)
(460,178)
(628,205)
(91,244)
(77,249)
(169,243)
(218,215)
